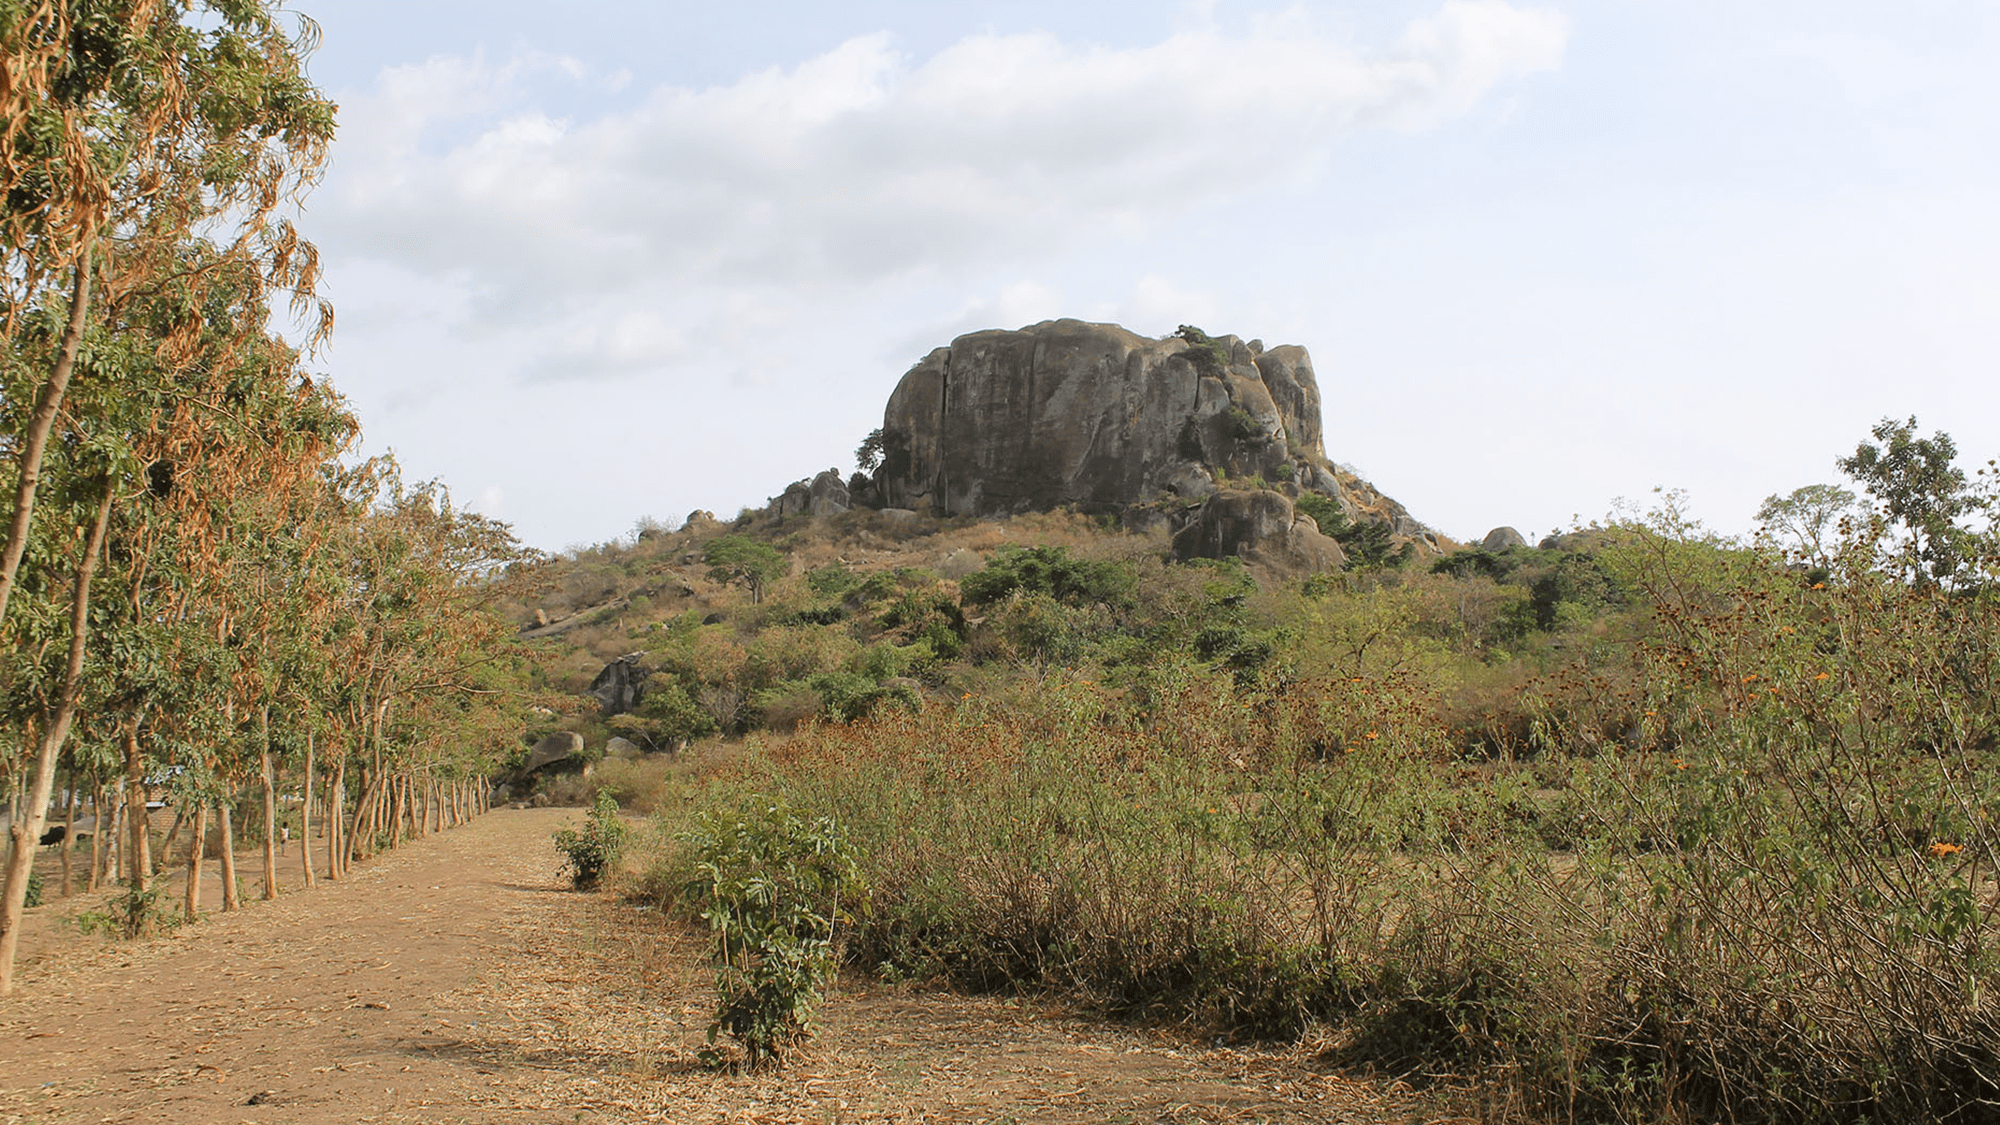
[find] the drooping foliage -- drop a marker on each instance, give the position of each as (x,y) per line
(198,580)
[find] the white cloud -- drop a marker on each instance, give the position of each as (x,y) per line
(713,214)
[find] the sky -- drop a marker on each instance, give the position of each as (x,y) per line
(610,261)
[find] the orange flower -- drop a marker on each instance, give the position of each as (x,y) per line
(1371,736)
(1678,764)
(1751,678)
(1819,585)
(1650,714)
(1941,850)
(1824,676)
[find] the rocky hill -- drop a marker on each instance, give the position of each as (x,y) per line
(1214,440)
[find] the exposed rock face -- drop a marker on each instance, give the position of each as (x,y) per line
(558,747)
(1163,432)
(1502,538)
(1091,415)
(828,496)
(621,684)
(823,495)
(1260,527)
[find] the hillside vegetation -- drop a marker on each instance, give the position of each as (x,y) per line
(1645,824)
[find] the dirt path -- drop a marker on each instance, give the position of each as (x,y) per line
(456,981)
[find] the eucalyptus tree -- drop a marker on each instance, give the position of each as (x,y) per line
(131,127)
(188,443)
(419,634)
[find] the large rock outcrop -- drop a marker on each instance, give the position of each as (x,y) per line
(1092,415)
(1167,433)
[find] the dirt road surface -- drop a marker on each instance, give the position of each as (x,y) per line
(456,980)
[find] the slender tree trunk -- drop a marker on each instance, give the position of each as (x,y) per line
(69,833)
(335,800)
(396,816)
(306,818)
(138,855)
(28,834)
(358,824)
(270,806)
(229,900)
(197,851)
(48,405)
(114,844)
(98,825)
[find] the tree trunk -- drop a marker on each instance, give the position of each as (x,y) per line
(396,817)
(138,854)
(336,799)
(229,899)
(99,825)
(28,834)
(197,851)
(306,818)
(48,405)
(270,806)
(69,833)
(114,847)
(359,821)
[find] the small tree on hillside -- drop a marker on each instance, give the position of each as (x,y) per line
(739,558)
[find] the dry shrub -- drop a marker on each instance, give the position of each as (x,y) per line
(1749,876)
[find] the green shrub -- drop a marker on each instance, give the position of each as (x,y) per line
(846,696)
(132,914)
(1052,571)
(34,889)
(595,849)
(1325,511)
(674,715)
(1244,426)
(770,883)
(833,580)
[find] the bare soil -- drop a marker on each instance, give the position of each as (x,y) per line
(457,980)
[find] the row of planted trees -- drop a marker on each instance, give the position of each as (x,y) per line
(203,594)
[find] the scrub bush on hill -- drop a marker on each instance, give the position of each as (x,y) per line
(1736,863)
(1052,571)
